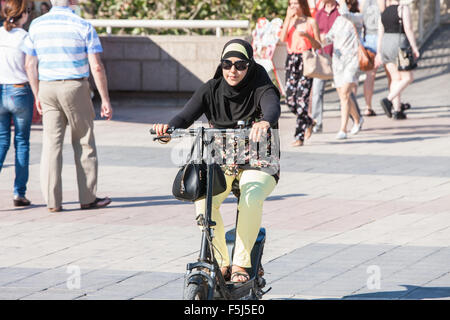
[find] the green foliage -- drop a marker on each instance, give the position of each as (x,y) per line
(183,9)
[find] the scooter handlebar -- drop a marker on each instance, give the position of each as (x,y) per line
(169,131)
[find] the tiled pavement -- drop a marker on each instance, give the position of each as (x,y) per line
(366,218)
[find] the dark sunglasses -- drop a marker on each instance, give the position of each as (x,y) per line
(240,65)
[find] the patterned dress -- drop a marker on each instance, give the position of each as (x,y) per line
(345,61)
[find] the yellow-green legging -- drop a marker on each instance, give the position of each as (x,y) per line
(255,186)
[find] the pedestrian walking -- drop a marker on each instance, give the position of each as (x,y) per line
(345,65)
(371,11)
(60,48)
(16,97)
(395,32)
(350,10)
(301,33)
(325,18)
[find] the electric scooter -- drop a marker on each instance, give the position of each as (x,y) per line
(203,278)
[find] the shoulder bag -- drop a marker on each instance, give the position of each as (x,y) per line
(405,57)
(366,57)
(191,180)
(317,65)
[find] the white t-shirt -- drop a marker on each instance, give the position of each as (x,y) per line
(12,58)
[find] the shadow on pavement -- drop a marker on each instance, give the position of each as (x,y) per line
(415,129)
(150,201)
(383,140)
(411,293)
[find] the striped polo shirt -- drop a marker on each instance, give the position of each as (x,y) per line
(61,40)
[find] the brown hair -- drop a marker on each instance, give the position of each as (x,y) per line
(13,11)
(305,7)
(352,5)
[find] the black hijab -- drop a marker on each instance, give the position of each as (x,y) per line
(241,102)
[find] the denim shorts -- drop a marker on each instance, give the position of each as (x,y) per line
(370,42)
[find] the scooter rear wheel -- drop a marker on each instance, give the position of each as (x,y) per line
(194,291)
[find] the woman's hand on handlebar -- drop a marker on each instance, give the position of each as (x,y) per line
(258,129)
(161,133)
(160,128)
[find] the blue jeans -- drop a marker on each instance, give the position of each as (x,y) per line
(16,103)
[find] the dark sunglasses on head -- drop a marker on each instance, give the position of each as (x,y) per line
(240,65)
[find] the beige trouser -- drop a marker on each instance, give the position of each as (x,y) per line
(67,102)
(255,186)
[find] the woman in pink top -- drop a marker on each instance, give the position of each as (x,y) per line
(301,33)
(314,6)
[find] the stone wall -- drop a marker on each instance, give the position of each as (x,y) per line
(160,63)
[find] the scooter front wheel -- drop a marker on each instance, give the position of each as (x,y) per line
(195,291)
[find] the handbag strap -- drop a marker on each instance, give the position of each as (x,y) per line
(356,32)
(197,139)
(400,24)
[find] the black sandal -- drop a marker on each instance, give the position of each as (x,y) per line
(405,106)
(370,113)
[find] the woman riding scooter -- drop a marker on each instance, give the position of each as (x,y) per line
(241,90)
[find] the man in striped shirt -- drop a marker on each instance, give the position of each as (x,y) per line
(59,49)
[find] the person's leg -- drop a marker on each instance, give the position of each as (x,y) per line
(318,89)
(388,76)
(220,245)
(54,123)
(77,105)
(255,187)
(292,91)
(395,78)
(355,114)
(347,108)
(22,115)
(304,121)
(5,136)
(369,85)
(291,83)
(5,128)
(405,78)
(354,111)
(355,103)
(344,97)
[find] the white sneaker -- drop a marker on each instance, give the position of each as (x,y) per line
(357,127)
(341,135)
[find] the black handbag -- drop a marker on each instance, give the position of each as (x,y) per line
(405,57)
(191,180)
(406,60)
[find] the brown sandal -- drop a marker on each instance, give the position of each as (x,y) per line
(240,273)
(309,130)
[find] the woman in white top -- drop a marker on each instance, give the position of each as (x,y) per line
(16,97)
(345,66)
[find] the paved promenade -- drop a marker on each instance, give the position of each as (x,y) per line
(365,218)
